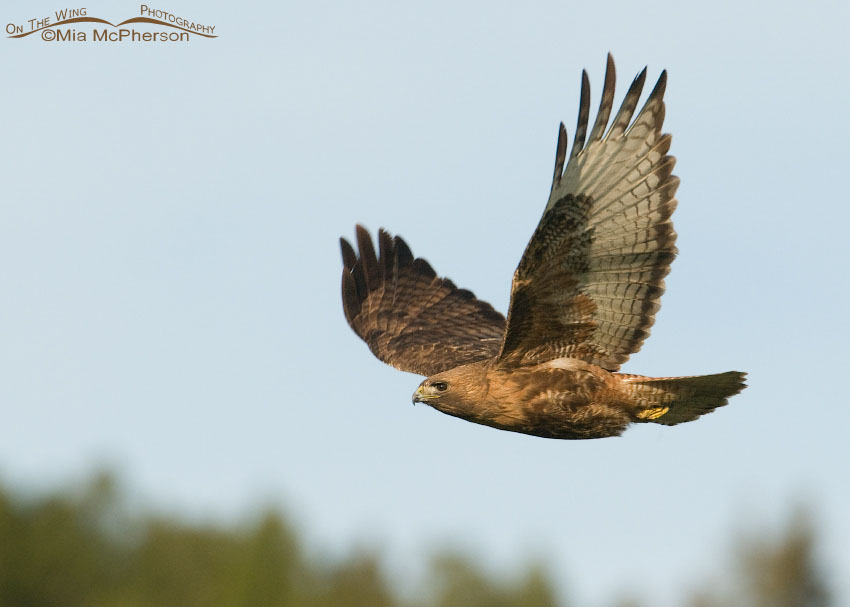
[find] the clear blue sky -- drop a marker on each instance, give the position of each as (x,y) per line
(170,303)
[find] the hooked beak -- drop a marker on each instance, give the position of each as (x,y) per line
(420,397)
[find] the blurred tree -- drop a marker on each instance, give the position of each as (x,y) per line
(457,582)
(356,581)
(270,565)
(80,548)
(784,573)
(773,572)
(51,552)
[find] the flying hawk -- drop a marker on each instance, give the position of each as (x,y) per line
(583,298)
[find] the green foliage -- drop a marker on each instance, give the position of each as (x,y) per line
(785,573)
(81,549)
(775,572)
(457,582)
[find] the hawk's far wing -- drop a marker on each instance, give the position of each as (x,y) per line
(589,282)
(409,317)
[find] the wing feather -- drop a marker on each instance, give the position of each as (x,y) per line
(590,281)
(583,116)
(606,102)
(560,155)
(410,318)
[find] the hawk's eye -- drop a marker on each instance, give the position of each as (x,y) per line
(440,386)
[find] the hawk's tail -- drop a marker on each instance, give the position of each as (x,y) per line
(673,400)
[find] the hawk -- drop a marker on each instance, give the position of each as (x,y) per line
(583,297)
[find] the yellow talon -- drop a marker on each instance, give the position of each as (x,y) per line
(653,413)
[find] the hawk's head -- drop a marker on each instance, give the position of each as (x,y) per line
(430,390)
(457,391)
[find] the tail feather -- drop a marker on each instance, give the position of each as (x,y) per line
(673,400)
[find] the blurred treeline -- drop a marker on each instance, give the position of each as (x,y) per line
(81,548)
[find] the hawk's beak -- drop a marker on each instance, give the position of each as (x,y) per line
(419,396)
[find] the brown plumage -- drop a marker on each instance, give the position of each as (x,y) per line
(583,298)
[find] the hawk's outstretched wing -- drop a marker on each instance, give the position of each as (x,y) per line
(410,318)
(589,282)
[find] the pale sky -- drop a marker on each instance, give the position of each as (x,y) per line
(170,307)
